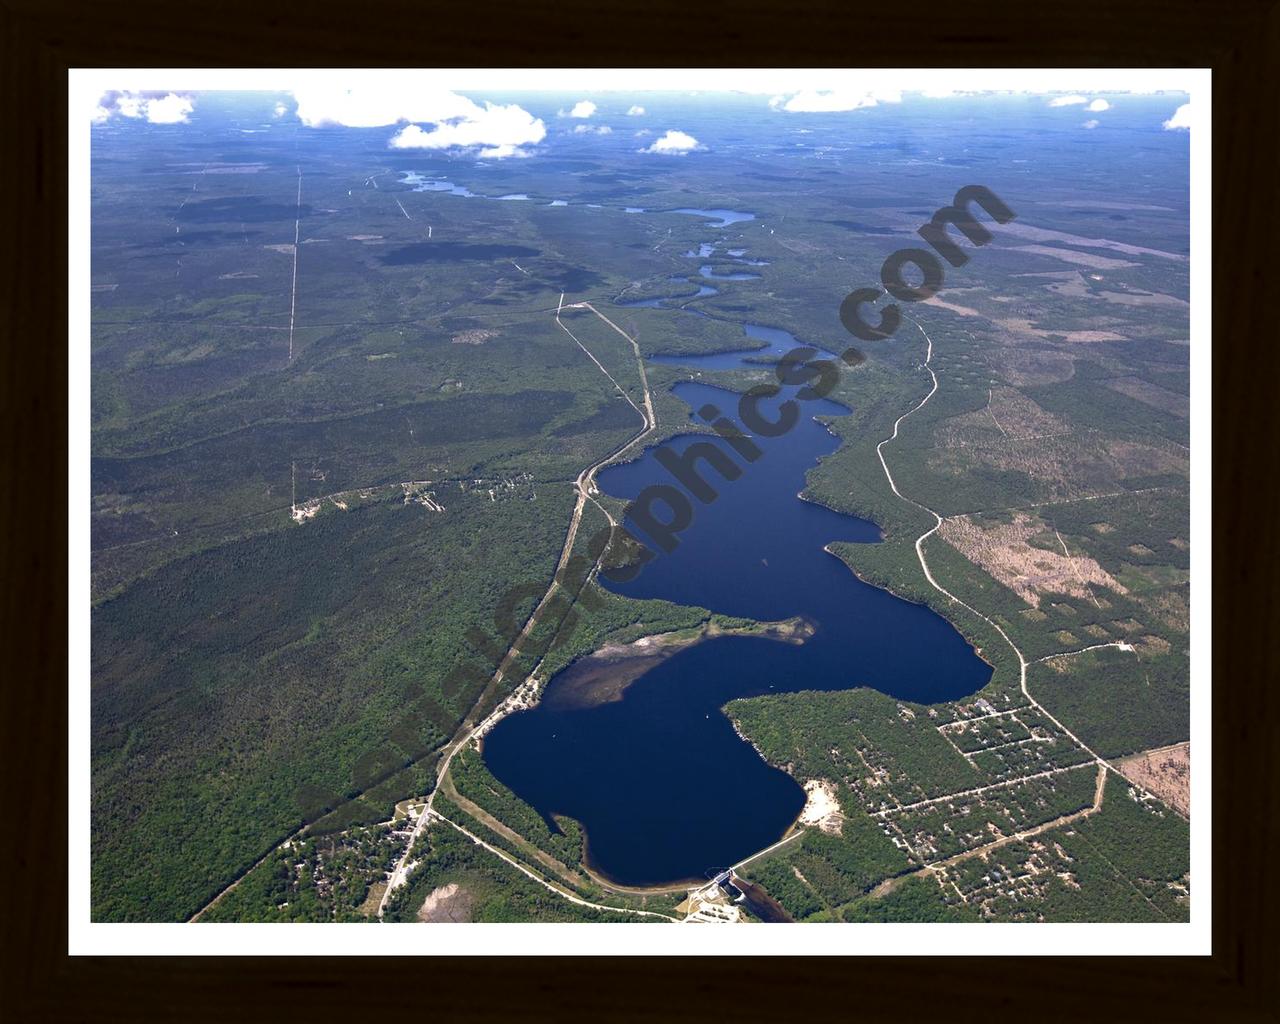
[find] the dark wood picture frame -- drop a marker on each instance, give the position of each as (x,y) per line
(1238,39)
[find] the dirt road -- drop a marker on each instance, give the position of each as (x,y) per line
(585,486)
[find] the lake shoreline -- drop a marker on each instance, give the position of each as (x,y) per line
(603,675)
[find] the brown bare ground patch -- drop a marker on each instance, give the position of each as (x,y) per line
(1065,636)
(448,904)
(478,336)
(1004,551)
(1020,417)
(1170,607)
(1090,336)
(374,897)
(801,247)
(1141,550)
(1022,326)
(1179,543)
(1153,395)
(1022,367)
(1103,528)
(938,303)
(1063,465)
(1021,229)
(968,429)
(1150,644)
(1166,772)
(1136,459)
(1083,259)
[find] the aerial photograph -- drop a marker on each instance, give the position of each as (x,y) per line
(638,503)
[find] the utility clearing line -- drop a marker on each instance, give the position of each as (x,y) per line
(293,298)
(403,210)
(992,413)
(584,485)
(1083,582)
(194,185)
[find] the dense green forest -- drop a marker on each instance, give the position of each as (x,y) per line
(312,541)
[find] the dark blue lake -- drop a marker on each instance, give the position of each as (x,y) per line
(777,344)
(664,787)
(722,218)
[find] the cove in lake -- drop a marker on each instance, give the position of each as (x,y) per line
(664,787)
(778,343)
(420,183)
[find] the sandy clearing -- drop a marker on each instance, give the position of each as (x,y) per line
(476,336)
(1023,326)
(1021,229)
(822,807)
(938,303)
(447,904)
(1004,551)
(1083,259)
(1166,772)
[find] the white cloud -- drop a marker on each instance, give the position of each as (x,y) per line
(1068,101)
(499,130)
(583,108)
(586,129)
(1097,106)
(812,101)
(280,110)
(456,121)
(1181,119)
(502,152)
(171,109)
(674,142)
(1093,122)
(156,107)
(635,111)
(391,101)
